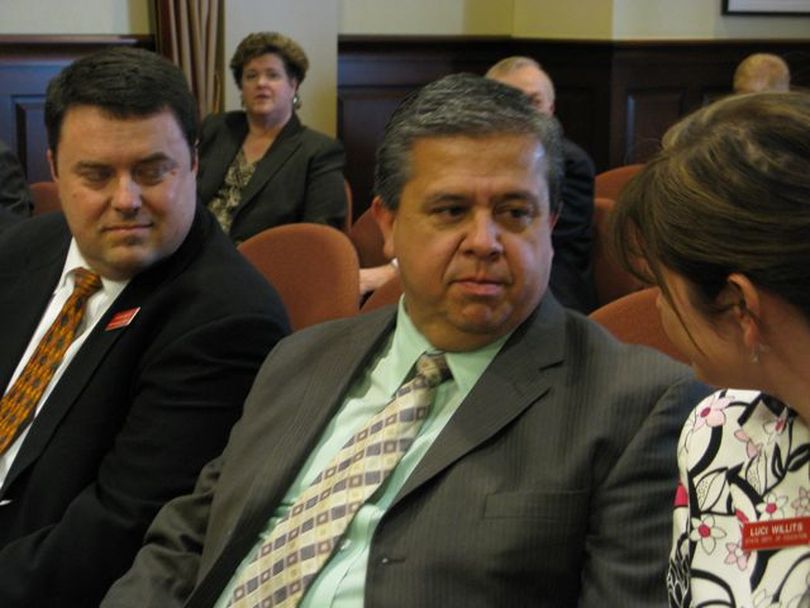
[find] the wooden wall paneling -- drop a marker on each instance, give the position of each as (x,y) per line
(27,64)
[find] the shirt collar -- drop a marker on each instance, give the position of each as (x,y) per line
(75,260)
(409,343)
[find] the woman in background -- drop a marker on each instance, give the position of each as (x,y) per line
(722,219)
(261,167)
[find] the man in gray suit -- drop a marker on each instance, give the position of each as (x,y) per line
(544,471)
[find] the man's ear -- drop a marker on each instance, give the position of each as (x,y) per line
(195,157)
(52,165)
(385,219)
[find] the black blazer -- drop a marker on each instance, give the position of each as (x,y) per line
(550,485)
(137,413)
(299,179)
(15,197)
(571,273)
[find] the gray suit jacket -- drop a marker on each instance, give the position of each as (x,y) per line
(551,485)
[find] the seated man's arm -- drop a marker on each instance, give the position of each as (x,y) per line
(166,569)
(187,394)
(630,528)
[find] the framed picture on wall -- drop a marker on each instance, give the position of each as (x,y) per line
(766,7)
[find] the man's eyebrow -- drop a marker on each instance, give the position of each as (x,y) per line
(445,197)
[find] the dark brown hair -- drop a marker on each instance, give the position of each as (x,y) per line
(729,192)
(257,44)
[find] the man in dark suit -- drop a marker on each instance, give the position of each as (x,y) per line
(15,197)
(571,273)
(166,349)
(543,473)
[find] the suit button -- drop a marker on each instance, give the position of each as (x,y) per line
(385,561)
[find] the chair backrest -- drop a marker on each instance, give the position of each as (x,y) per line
(387,293)
(312,266)
(610,279)
(368,240)
(609,184)
(634,319)
(45,196)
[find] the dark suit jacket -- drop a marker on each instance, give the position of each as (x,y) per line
(137,413)
(299,179)
(552,482)
(571,275)
(15,197)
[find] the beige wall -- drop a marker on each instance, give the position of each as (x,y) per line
(318,37)
(589,19)
(697,19)
(426,17)
(81,17)
(569,19)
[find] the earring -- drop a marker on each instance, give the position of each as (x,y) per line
(758,349)
(296,102)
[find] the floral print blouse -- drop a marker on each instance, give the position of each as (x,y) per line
(744,458)
(229,195)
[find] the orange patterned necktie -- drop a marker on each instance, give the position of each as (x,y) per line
(304,539)
(18,405)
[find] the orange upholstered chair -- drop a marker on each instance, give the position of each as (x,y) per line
(387,293)
(46,197)
(610,279)
(368,240)
(609,184)
(634,319)
(313,267)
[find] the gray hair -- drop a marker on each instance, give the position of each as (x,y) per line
(462,105)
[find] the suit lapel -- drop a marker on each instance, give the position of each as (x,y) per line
(34,287)
(518,377)
(330,377)
(98,343)
(286,143)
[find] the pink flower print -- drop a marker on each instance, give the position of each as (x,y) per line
(705,532)
(681,496)
(710,412)
(752,449)
(777,427)
(736,555)
(802,504)
(772,507)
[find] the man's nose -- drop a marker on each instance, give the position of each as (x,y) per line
(127,195)
(484,237)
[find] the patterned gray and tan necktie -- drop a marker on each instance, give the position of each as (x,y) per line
(304,539)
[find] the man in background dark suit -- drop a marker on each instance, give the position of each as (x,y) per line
(571,273)
(167,349)
(15,197)
(544,471)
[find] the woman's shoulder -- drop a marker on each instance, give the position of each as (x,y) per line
(223,120)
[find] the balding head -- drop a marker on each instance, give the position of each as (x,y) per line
(525,74)
(761,72)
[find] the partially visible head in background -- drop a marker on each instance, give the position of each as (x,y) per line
(526,75)
(761,72)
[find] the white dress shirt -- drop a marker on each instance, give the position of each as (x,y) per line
(97,305)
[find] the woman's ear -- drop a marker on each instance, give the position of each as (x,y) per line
(747,310)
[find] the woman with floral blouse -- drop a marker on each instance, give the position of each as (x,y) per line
(721,220)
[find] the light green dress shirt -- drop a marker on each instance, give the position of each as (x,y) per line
(341,582)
